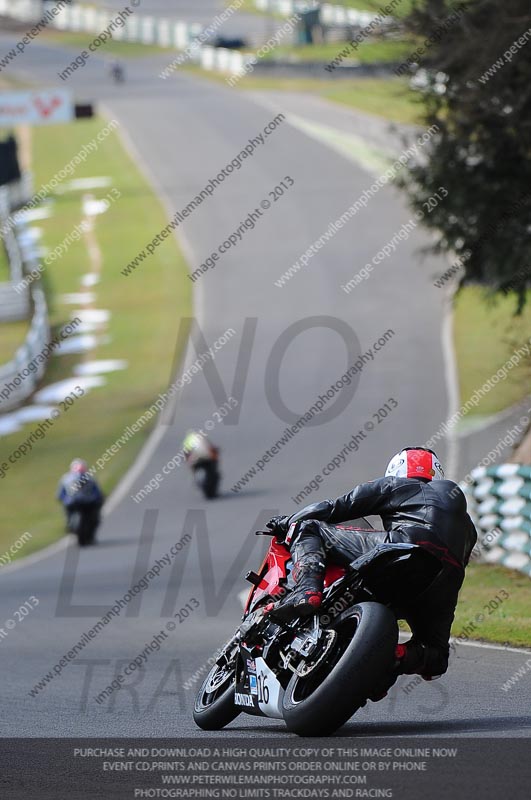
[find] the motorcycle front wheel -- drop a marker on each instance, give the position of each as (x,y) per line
(360,661)
(214,703)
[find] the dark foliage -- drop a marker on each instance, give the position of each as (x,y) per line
(479,94)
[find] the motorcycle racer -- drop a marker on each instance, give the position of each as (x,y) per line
(203,459)
(78,489)
(198,448)
(417,505)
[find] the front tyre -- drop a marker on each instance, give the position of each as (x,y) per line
(214,703)
(361,660)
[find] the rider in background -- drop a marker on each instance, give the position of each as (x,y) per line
(417,505)
(203,459)
(198,449)
(117,72)
(79,489)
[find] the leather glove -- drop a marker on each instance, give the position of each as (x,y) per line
(278,524)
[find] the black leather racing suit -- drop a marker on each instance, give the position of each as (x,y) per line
(432,514)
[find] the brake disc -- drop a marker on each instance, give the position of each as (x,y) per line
(228,653)
(305,667)
(218,679)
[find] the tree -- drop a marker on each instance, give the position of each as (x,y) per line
(475,78)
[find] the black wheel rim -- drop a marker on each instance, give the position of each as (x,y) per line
(304,687)
(217,683)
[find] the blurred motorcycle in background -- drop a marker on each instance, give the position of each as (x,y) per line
(203,459)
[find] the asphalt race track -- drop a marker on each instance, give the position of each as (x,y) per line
(184,131)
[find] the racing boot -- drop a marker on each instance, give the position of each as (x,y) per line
(380,692)
(308,572)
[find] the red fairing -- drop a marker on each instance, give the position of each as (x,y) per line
(332,574)
(274,563)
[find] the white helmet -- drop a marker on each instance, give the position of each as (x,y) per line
(79,465)
(415,462)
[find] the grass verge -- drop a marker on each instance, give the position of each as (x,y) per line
(485,613)
(510,623)
(366,52)
(12,336)
(114,47)
(390,98)
(401,10)
(486,335)
(145,312)
(5,274)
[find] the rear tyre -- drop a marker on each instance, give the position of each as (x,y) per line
(88,525)
(83,537)
(361,660)
(74,523)
(78,526)
(214,703)
(208,479)
(211,483)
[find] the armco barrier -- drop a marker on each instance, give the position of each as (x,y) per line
(36,340)
(24,10)
(22,259)
(224,60)
(19,192)
(499,502)
(176,34)
(13,197)
(137,27)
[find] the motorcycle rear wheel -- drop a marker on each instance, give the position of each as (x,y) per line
(86,529)
(207,477)
(360,662)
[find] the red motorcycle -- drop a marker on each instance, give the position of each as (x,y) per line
(316,672)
